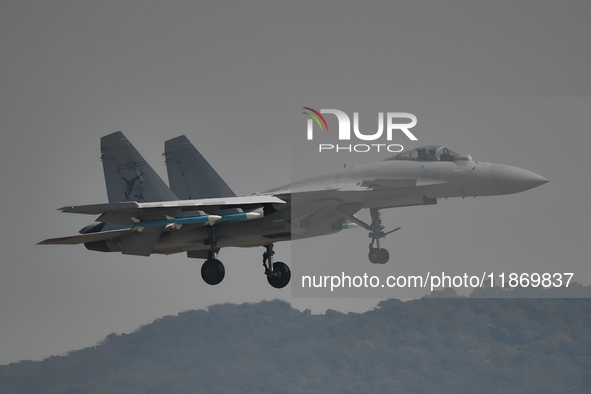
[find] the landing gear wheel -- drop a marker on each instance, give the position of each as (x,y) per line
(378,256)
(373,255)
(212,271)
(280,276)
(384,256)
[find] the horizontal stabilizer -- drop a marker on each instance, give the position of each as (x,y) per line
(84,238)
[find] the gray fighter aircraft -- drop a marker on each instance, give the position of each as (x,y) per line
(200,214)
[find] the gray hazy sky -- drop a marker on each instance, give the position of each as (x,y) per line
(506,81)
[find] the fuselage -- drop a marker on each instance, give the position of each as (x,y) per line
(315,206)
(199,214)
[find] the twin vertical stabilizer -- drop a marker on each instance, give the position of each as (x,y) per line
(189,174)
(127,175)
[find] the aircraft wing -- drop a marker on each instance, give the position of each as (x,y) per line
(123,212)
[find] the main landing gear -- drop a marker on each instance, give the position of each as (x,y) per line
(213,271)
(278,274)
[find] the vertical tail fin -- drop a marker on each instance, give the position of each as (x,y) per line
(127,175)
(189,174)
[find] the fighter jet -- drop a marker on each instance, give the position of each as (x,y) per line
(200,214)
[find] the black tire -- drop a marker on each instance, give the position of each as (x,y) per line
(378,256)
(213,271)
(283,276)
(384,256)
(374,255)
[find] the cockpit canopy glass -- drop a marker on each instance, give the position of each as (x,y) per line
(426,153)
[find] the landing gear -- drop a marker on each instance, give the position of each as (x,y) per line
(376,254)
(212,270)
(278,274)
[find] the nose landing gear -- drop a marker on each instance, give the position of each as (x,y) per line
(377,255)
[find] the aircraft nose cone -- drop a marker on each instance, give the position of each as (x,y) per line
(509,179)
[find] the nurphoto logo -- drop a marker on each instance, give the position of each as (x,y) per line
(395,122)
